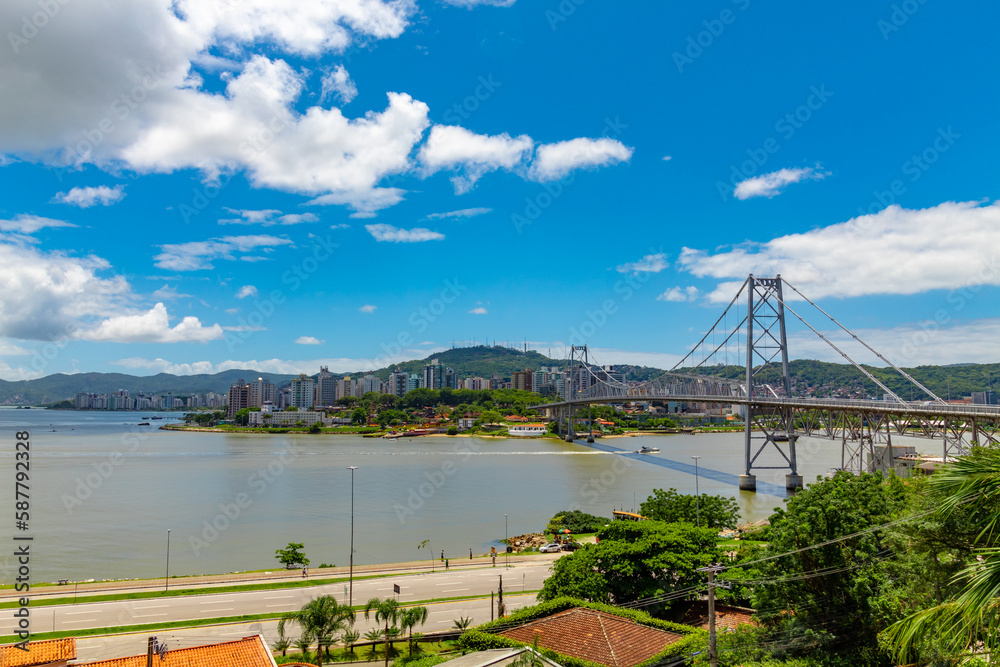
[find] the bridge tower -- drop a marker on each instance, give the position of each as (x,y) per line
(767,428)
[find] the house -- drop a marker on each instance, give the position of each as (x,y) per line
(246,652)
(498,657)
(727,617)
(50,653)
(524,430)
(596,636)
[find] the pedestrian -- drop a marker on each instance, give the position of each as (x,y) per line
(442,555)
(304,575)
(470,553)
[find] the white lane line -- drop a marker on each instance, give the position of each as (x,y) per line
(152,606)
(279,597)
(384,589)
(147,615)
(454,590)
(215,601)
(76,613)
(283,604)
(84,620)
(209,611)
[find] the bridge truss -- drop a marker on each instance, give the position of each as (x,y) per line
(774,418)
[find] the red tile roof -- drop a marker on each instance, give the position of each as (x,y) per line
(38,653)
(246,652)
(596,636)
(726,617)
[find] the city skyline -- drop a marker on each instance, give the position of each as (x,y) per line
(282,190)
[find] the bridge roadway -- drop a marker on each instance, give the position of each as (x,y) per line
(917,409)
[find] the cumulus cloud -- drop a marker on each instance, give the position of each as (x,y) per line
(769,185)
(463,213)
(152,326)
(87,197)
(469,4)
(338,82)
(894,251)
(555,161)
(166,293)
(382,232)
(29,224)
(648,264)
(245,291)
(478,310)
(368,308)
(267,217)
(308,340)
(163,366)
(679,294)
(196,255)
(472,155)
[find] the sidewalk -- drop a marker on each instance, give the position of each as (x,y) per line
(82,589)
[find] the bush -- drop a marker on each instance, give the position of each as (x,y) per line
(452,430)
(577,522)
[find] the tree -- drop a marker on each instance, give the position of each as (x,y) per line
(462,623)
(359,416)
(315,427)
(386,611)
(633,560)
(320,619)
(825,599)
(490,417)
(242,416)
(292,555)
(374,636)
(410,618)
(351,638)
(452,430)
(577,522)
(714,511)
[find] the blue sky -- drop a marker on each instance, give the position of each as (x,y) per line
(196,186)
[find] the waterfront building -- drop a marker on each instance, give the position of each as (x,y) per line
(371,383)
(524,430)
(433,375)
(399,383)
(261,391)
(344,387)
(522,380)
(326,388)
(414,382)
(302,392)
(239,398)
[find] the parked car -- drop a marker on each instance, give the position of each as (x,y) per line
(551,547)
(571,546)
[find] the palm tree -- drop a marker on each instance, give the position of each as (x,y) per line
(320,618)
(374,636)
(281,644)
(350,638)
(303,643)
(411,617)
(386,611)
(969,624)
(462,623)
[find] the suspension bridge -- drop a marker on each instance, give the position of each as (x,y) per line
(774,417)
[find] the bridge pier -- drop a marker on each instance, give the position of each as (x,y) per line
(793,482)
(748,482)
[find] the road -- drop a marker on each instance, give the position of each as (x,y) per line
(414,587)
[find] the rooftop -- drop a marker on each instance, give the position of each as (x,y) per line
(38,653)
(246,652)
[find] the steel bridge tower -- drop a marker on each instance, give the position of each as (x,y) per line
(766,341)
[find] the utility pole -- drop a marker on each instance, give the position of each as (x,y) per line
(149,651)
(713,654)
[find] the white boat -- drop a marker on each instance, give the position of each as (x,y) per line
(648,450)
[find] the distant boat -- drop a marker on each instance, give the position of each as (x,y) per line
(143,423)
(648,450)
(145,417)
(156,417)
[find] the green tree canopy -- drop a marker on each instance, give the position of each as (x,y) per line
(320,619)
(577,522)
(292,555)
(715,511)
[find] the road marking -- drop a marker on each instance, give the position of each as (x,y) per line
(152,606)
(215,601)
(209,611)
(83,620)
(147,615)
(283,604)
(76,613)
(279,597)
(454,590)
(384,589)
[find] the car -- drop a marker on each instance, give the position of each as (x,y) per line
(571,546)
(551,547)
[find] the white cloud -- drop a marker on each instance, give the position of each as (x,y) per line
(769,185)
(163,366)
(368,308)
(472,155)
(894,251)
(244,328)
(365,204)
(679,294)
(338,82)
(667,158)
(392,234)
(87,197)
(648,264)
(308,340)
(478,310)
(196,255)
(167,293)
(267,218)
(245,291)
(469,4)
(554,161)
(463,213)
(152,326)
(29,224)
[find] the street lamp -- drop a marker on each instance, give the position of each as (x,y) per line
(166,579)
(350,598)
(697,494)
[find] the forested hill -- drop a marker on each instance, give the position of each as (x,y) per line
(815,378)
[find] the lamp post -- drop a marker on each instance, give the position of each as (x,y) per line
(166,579)
(506,539)
(697,494)
(350,597)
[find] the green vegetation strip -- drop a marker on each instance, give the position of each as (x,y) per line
(125,629)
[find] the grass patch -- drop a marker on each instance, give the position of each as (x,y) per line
(428,655)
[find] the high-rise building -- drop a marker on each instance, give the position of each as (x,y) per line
(344,387)
(326,388)
(239,398)
(450,379)
(302,392)
(413,382)
(522,380)
(433,375)
(399,383)
(261,391)
(371,383)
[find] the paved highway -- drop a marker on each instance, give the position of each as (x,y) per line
(414,587)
